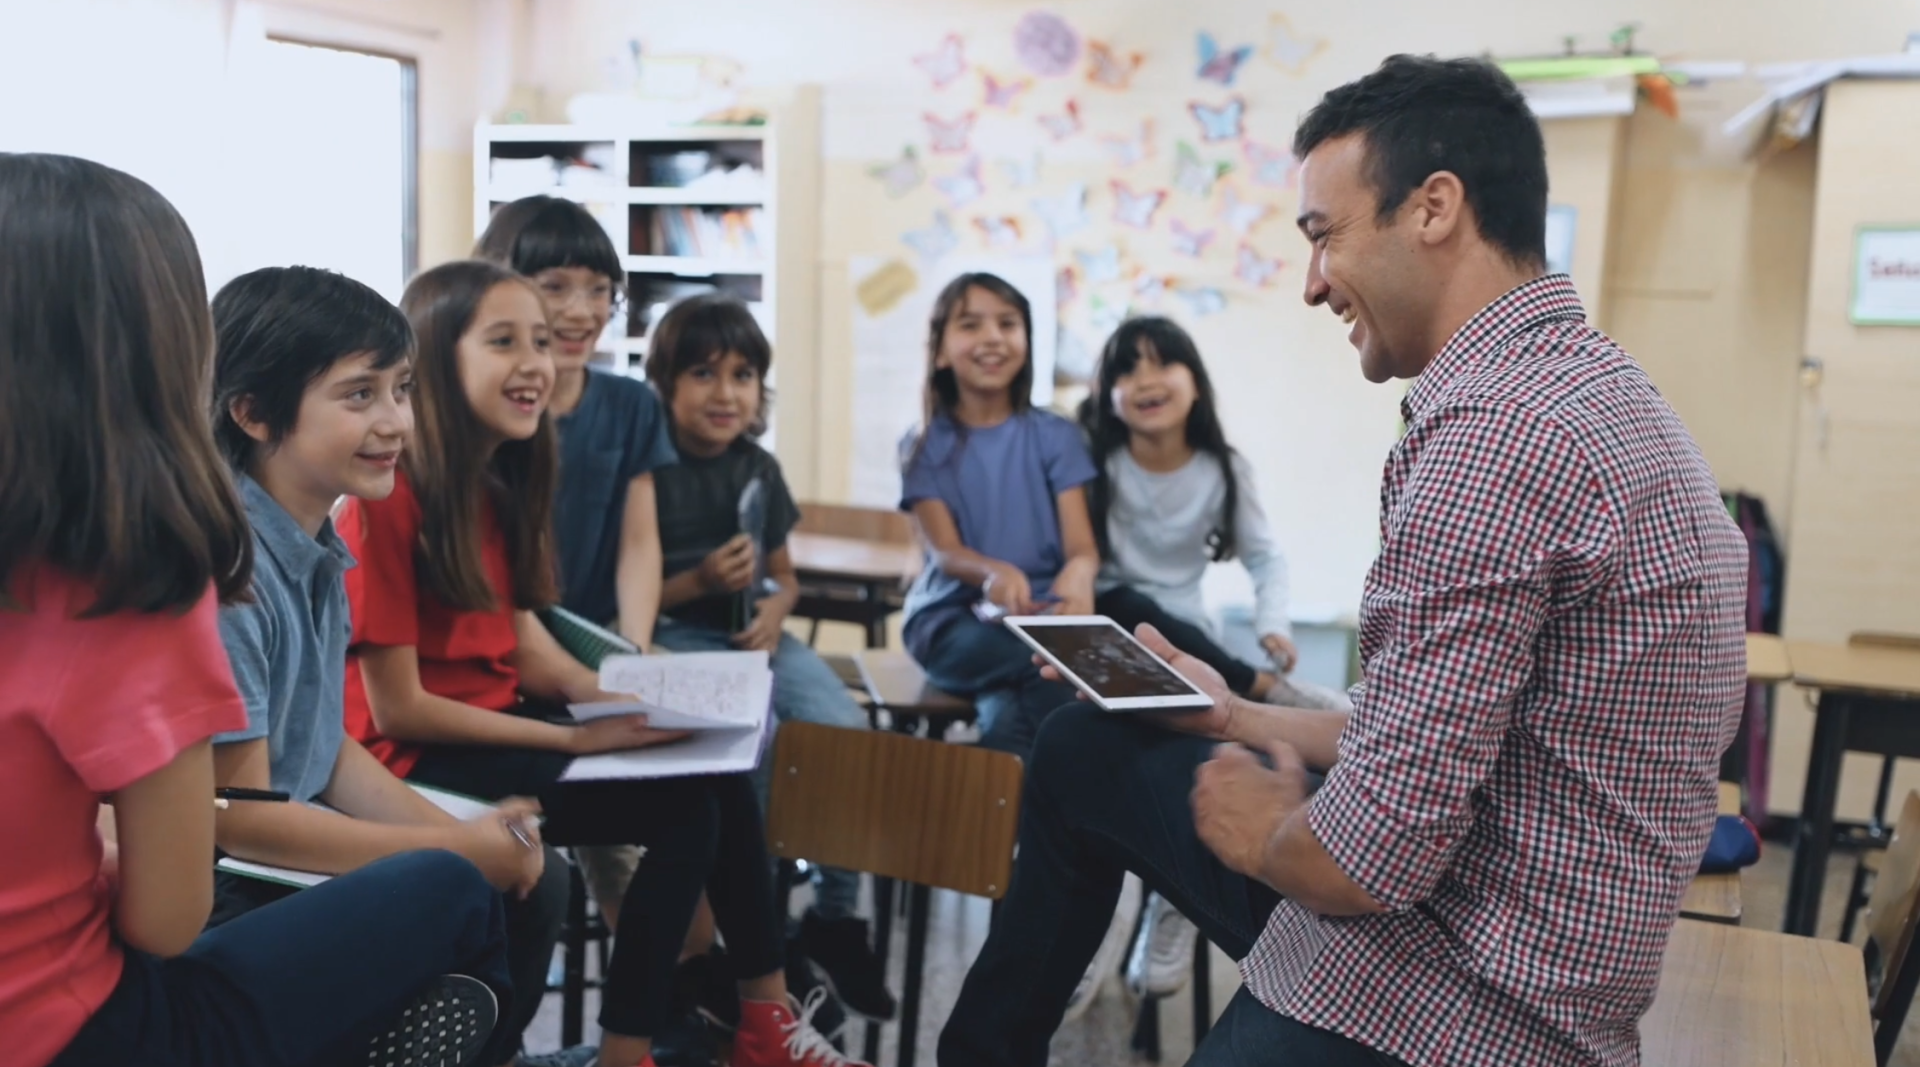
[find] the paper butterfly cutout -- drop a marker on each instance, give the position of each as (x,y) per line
(1287,50)
(1189,242)
(1127,151)
(1111,69)
(1242,215)
(1001,94)
(1065,125)
(1000,231)
(1135,209)
(944,64)
(1205,301)
(1194,175)
(1255,269)
(1045,43)
(901,176)
(963,186)
(1273,167)
(1218,66)
(1066,285)
(1150,287)
(949,135)
(1072,359)
(1021,175)
(936,241)
(1099,266)
(1219,123)
(1105,315)
(1066,213)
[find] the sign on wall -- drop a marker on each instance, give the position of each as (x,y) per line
(1886,276)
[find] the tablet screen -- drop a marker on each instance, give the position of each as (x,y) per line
(1109,661)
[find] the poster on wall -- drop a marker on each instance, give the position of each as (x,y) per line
(1561,220)
(892,300)
(1886,276)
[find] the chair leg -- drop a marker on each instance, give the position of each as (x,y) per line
(573,990)
(1856,899)
(1878,830)
(1146,1030)
(1202,988)
(882,947)
(1887,1033)
(921,899)
(813,633)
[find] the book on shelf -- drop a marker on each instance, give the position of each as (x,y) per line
(730,233)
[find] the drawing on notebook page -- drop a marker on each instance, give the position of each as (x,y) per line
(687,691)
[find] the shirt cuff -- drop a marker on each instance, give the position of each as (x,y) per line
(1397,867)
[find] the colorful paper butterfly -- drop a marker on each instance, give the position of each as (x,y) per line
(1045,43)
(1135,209)
(935,242)
(1127,151)
(949,135)
(1219,123)
(1109,68)
(1190,242)
(1072,359)
(1066,125)
(1021,175)
(1001,94)
(1271,166)
(1219,66)
(963,186)
(944,64)
(1100,266)
(1000,231)
(1066,213)
(1150,287)
(1242,215)
(1286,49)
(901,176)
(1206,301)
(1066,285)
(1255,269)
(1105,315)
(1193,175)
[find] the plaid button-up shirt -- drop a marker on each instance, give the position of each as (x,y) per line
(1552,640)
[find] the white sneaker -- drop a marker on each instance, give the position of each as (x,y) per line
(1106,960)
(1162,956)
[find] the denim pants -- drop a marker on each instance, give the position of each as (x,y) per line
(970,658)
(805,689)
(306,981)
(1106,794)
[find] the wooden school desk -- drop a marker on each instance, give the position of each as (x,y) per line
(1767,659)
(1869,702)
(1715,898)
(1741,997)
(850,579)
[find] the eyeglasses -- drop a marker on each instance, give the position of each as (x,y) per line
(560,294)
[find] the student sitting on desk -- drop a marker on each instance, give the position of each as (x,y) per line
(312,376)
(725,514)
(459,686)
(123,535)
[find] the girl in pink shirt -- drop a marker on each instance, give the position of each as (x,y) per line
(123,534)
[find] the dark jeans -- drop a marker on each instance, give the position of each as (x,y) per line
(1106,794)
(1129,607)
(970,658)
(533,927)
(699,834)
(308,981)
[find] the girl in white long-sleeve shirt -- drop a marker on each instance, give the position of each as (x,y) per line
(1173,497)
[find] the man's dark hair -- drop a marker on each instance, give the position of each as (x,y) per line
(279,329)
(1420,115)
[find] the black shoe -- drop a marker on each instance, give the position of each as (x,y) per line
(803,977)
(445,1026)
(846,957)
(686,1043)
(704,985)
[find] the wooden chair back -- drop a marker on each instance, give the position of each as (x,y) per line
(901,807)
(1893,911)
(863,524)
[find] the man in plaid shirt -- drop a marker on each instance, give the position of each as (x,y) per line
(1552,659)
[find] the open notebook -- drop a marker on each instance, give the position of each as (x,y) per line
(454,804)
(724,698)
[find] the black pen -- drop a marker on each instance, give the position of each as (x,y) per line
(250,794)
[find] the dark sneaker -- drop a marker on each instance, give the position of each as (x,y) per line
(845,955)
(577,1056)
(686,1043)
(446,1026)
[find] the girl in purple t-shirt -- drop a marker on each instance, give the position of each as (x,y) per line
(996,488)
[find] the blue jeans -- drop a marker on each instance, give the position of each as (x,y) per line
(970,658)
(805,689)
(306,981)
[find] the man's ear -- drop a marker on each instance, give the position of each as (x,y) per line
(240,410)
(1439,206)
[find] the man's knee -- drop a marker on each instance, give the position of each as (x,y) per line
(1076,740)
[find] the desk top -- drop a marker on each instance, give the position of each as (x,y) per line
(1712,896)
(1734,996)
(1767,659)
(852,559)
(1877,670)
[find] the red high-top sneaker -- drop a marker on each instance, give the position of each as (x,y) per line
(782,1035)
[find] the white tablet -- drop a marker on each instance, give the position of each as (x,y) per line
(1099,658)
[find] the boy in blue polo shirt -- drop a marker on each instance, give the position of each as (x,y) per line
(312,375)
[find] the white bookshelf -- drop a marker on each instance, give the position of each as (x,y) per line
(633,182)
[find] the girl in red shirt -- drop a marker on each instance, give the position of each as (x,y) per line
(123,534)
(459,685)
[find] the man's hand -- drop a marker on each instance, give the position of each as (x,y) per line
(763,633)
(1239,805)
(1282,652)
(729,568)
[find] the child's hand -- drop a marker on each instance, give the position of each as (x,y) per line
(1074,586)
(729,568)
(506,863)
(1007,587)
(1282,651)
(763,633)
(615,733)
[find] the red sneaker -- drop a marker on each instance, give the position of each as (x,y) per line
(782,1035)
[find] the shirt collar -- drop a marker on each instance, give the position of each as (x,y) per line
(1544,300)
(284,540)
